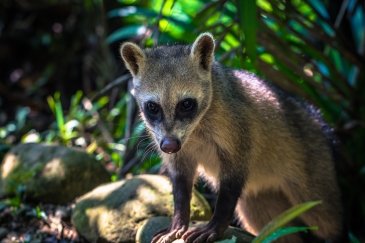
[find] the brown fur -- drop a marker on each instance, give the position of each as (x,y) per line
(245,131)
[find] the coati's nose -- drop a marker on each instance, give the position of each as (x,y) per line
(170,145)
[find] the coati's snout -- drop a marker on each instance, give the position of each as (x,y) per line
(170,145)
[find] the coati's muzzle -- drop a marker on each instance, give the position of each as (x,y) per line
(170,145)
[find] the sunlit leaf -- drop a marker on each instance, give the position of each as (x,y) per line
(266,57)
(265,5)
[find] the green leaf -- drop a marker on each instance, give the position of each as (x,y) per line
(75,102)
(125,33)
(39,213)
(206,12)
(51,103)
(353,238)
(131,10)
(268,58)
(59,114)
(283,219)
(321,8)
(248,24)
(101,102)
(265,5)
(286,231)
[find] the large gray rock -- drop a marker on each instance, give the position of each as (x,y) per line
(153,225)
(113,212)
(47,173)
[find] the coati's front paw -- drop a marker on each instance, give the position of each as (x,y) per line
(169,235)
(208,233)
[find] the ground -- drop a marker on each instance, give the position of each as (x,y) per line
(37,223)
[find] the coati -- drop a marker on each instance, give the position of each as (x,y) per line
(262,150)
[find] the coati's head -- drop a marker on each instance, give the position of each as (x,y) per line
(172,85)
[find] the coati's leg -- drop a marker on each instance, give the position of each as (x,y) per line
(182,177)
(257,210)
(229,191)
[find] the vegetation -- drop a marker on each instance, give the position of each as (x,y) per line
(62,81)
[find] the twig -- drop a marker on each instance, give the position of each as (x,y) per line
(119,81)
(131,163)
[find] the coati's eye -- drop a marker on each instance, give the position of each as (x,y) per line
(186,108)
(152,107)
(152,111)
(187,105)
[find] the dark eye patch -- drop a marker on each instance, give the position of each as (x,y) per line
(186,109)
(152,111)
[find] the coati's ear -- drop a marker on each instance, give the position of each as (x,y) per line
(203,51)
(133,57)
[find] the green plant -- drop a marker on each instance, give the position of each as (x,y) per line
(65,132)
(274,230)
(111,134)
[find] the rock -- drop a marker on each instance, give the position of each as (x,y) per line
(156,224)
(50,174)
(150,227)
(113,212)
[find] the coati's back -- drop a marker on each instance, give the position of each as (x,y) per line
(232,126)
(290,158)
